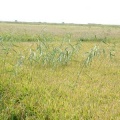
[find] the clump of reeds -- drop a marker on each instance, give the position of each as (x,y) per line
(55,56)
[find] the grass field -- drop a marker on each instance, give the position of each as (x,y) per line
(59,72)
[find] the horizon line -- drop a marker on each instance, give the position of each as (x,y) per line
(61,23)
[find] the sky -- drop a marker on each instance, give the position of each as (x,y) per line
(58,11)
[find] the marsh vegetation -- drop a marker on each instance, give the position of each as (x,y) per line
(59,72)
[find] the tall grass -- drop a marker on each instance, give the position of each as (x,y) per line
(46,55)
(67,79)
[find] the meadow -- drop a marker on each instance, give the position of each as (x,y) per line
(59,72)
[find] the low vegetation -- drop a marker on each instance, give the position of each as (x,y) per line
(59,72)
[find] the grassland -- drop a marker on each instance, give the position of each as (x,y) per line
(59,72)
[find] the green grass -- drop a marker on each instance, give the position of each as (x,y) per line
(83,87)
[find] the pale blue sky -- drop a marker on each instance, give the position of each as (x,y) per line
(68,11)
